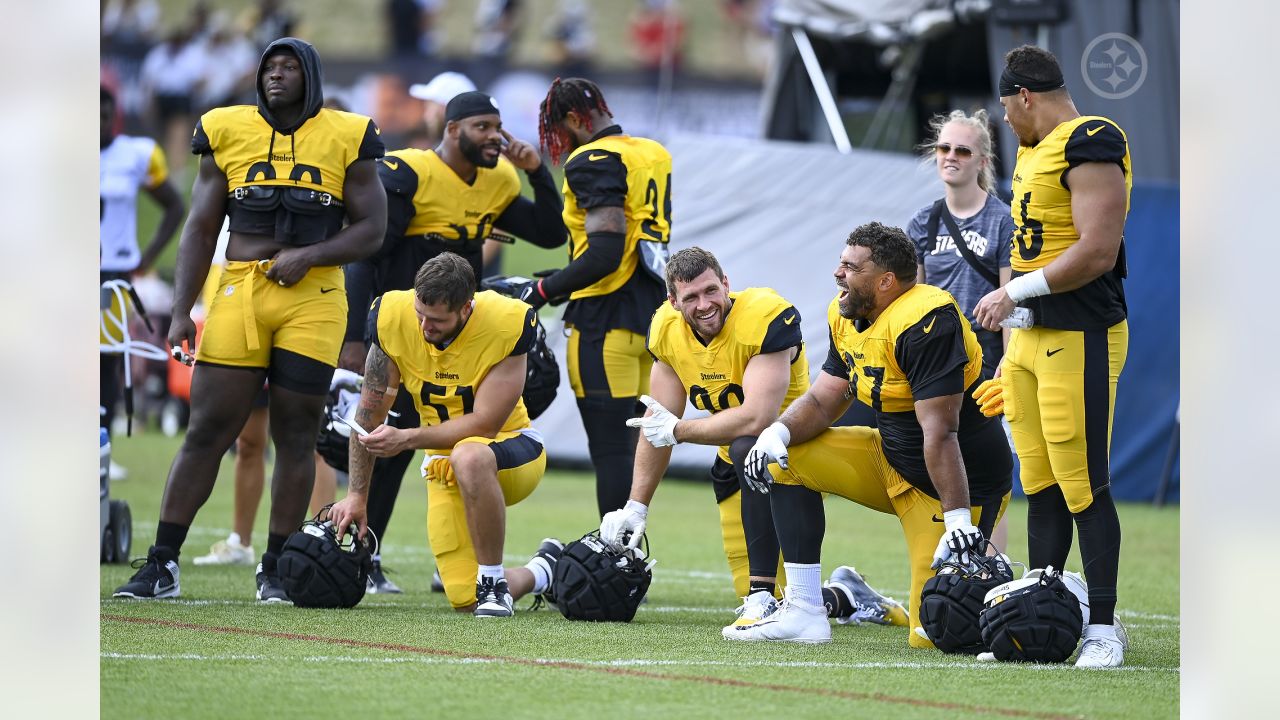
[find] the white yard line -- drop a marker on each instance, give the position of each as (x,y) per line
(626,662)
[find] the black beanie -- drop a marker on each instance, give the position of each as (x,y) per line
(468,104)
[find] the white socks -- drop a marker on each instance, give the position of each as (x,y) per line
(493,572)
(804,583)
(541,570)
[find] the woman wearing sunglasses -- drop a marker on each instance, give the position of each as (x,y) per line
(961,149)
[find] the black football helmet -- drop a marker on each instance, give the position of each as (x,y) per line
(318,571)
(1035,619)
(952,601)
(596,580)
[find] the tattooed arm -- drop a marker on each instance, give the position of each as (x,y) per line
(378,392)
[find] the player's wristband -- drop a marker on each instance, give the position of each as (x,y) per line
(1026,286)
(956,518)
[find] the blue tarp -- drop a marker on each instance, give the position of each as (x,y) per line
(1148,395)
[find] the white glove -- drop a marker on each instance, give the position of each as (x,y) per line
(659,426)
(630,518)
(771,446)
(961,540)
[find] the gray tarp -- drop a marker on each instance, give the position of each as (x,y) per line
(775,214)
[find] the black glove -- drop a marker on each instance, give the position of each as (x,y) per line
(531,293)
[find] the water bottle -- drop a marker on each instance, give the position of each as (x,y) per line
(1020,318)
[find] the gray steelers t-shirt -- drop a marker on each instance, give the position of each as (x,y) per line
(989,234)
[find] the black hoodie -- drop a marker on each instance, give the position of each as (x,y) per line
(312,77)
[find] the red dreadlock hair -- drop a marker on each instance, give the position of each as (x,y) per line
(573,95)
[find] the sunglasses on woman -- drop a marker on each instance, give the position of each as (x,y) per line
(961,151)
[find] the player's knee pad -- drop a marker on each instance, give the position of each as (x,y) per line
(317,571)
(952,602)
(594,580)
(1035,619)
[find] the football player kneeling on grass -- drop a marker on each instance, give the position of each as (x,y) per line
(934,461)
(740,356)
(461,355)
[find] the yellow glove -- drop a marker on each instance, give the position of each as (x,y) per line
(436,468)
(990,397)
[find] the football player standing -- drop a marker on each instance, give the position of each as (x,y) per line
(1071,189)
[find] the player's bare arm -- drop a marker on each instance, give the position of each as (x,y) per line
(826,400)
(764,387)
(366,206)
(651,462)
(195,249)
(377,393)
(1097,209)
(939,418)
(166,195)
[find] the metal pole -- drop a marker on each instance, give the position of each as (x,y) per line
(826,100)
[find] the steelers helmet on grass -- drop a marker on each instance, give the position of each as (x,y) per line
(952,601)
(318,571)
(1035,619)
(596,580)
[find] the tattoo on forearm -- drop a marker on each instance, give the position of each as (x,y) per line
(360,468)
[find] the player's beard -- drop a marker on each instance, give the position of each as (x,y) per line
(474,152)
(701,327)
(856,304)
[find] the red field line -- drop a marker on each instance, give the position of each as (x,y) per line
(562,665)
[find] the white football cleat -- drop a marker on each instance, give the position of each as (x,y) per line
(792,622)
(1102,648)
(754,608)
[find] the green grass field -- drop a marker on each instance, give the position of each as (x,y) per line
(216,653)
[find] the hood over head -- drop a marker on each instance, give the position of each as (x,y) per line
(312,78)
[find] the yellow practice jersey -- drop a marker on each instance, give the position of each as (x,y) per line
(438,202)
(873,355)
(919,348)
(443,381)
(760,321)
(1045,228)
(316,156)
(616,170)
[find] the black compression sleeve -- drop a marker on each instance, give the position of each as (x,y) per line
(539,221)
(602,256)
(360,293)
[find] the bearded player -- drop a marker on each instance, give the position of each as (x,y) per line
(739,356)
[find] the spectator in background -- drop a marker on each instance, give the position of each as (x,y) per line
(435,95)
(495,29)
(229,67)
(125,165)
(172,73)
(657,29)
(268,20)
(961,149)
(573,42)
(411,26)
(127,22)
